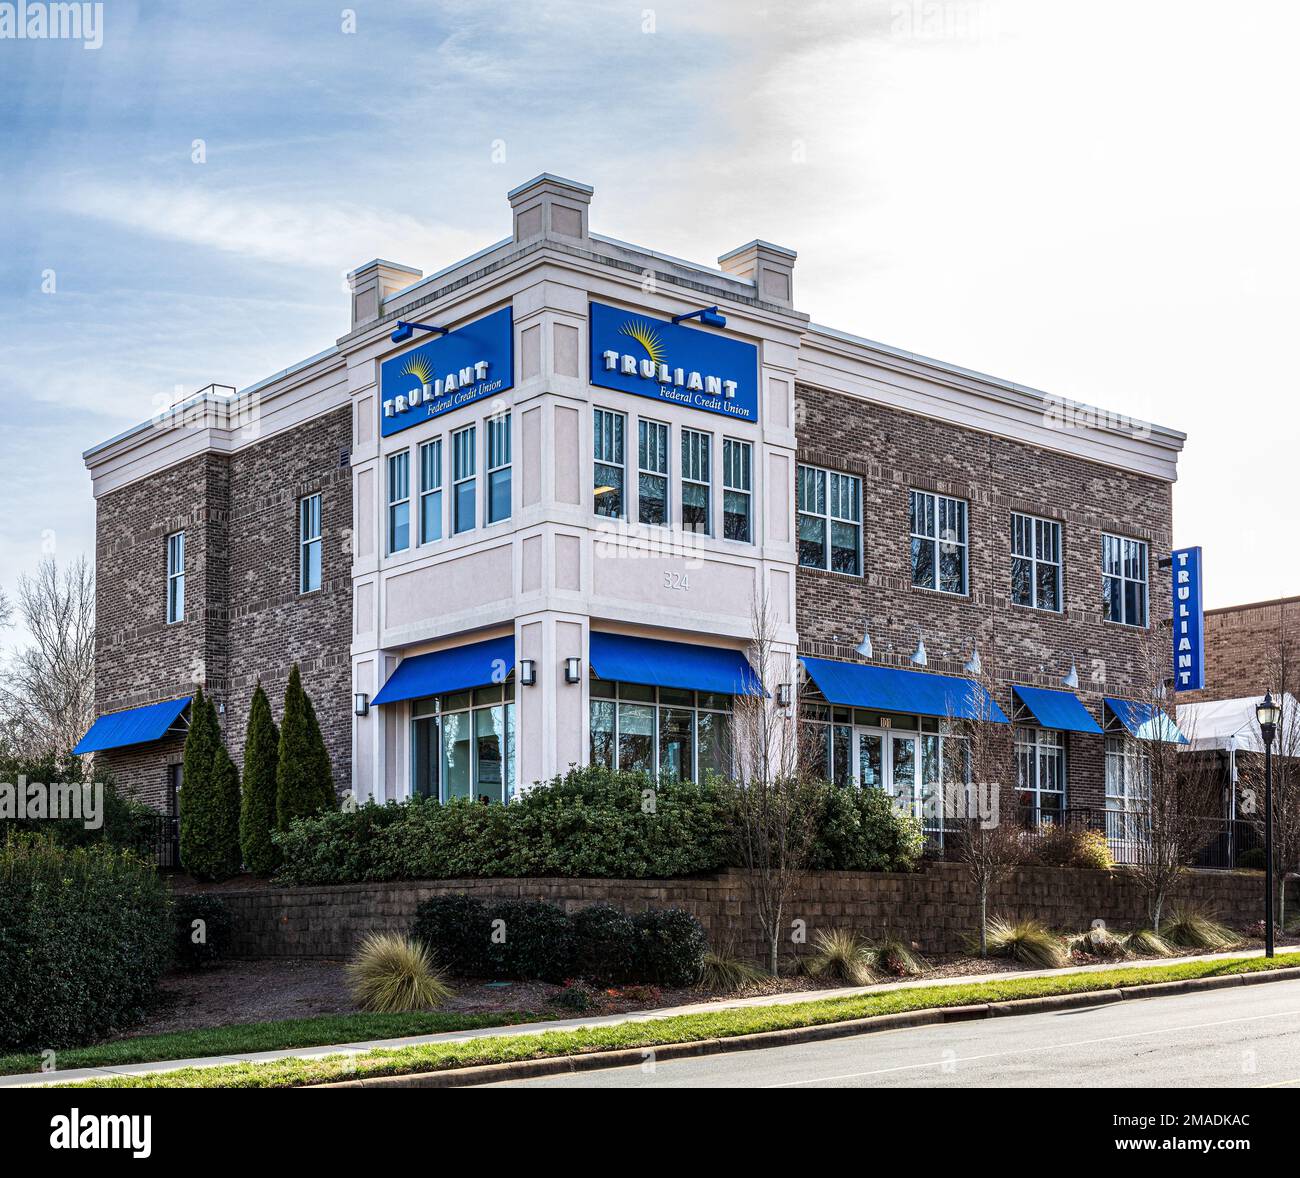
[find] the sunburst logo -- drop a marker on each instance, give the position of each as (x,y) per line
(418,367)
(646,336)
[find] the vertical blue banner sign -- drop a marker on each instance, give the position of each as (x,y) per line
(1189,621)
(452,370)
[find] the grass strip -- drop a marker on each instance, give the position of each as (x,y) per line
(240,1038)
(292,1072)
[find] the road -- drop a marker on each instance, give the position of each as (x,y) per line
(1237,1038)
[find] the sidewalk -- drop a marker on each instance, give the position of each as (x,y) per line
(170,1065)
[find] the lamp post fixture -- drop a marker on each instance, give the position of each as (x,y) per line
(1268,713)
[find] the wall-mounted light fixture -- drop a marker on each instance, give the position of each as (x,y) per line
(784,694)
(709,316)
(1071,678)
(573,670)
(864,647)
(973,664)
(360,703)
(403,331)
(528,672)
(919,657)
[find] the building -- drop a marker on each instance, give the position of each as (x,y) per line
(518,516)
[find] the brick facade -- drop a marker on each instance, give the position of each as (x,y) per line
(243,614)
(1243,649)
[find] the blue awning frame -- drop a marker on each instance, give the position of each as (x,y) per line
(892,689)
(143,725)
(656,662)
(1145,721)
(1059,710)
(442,672)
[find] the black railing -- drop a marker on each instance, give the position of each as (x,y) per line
(167,842)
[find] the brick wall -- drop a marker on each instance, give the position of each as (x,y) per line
(895,452)
(243,614)
(1243,646)
(935,907)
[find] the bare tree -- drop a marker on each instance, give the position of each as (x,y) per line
(772,801)
(979,813)
(47,699)
(1177,803)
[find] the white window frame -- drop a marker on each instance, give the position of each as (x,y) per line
(1053,528)
(664,431)
(938,538)
(1122,545)
(464,443)
(307,539)
(175,605)
(697,709)
(498,459)
(1040,745)
(1127,776)
(434,446)
(697,471)
(738,480)
(398,461)
(616,439)
(832,488)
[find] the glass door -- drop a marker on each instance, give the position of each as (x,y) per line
(871,759)
(903,772)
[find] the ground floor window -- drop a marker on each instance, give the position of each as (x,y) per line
(1040,764)
(1128,789)
(663,731)
(463,745)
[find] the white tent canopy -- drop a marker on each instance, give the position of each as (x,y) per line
(1227,723)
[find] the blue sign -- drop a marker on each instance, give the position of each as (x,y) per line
(1189,621)
(671,362)
(465,365)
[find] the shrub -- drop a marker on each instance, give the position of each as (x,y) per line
(1148,943)
(899,957)
(726,973)
(197,945)
(1193,929)
(1064,845)
(603,941)
(1026,941)
(299,790)
(391,974)
(533,939)
(257,805)
(85,934)
(455,930)
(210,813)
(670,945)
(577,996)
(862,830)
(1098,941)
(843,956)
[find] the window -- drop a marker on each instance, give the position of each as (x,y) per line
(498,468)
(463,745)
(1124,580)
(431,491)
(176,577)
(737,487)
(830,520)
(1128,775)
(1035,562)
(696,484)
(463,467)
(938,542)
(399,501)
(684,735)
(309,544)
(1040,760)
(608,431)
(652,472)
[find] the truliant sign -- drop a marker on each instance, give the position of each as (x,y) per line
(1189,621)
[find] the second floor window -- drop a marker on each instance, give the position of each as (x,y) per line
(830,520)
(1035,562)
(696,481)
(1124,580)
(737,488)
(463,498)
(431,491)
(176,577)
(652,472)
(938,530)
(498,468)
(608,430)
(309,544)
(399,501)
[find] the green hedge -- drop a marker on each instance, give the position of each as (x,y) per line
(591,822)
(85,934)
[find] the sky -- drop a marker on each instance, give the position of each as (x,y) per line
(1098,200)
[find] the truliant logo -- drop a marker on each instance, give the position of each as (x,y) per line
(78,1130)
(653,366)
(442,392)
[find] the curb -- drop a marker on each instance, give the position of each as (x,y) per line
(636,1056)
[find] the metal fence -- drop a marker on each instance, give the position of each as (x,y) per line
(167,842)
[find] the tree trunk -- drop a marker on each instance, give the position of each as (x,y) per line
(984,920)
(1156,910)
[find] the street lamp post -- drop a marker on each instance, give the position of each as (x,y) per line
(1268,713)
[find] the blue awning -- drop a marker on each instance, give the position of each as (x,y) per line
(134,726)
(445,671)
(889,689)
(1062,710)
(649,661)
(1145,721)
